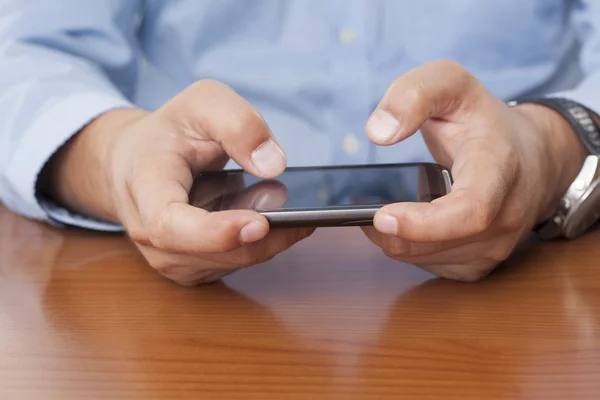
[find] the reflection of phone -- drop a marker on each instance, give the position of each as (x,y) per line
(321,196)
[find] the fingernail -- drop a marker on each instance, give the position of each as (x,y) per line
(382,126)
(253,232)
(268,159)
(386,224)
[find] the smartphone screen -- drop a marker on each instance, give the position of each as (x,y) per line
(307,188)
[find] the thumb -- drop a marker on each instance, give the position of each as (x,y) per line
(484,173)
(440,90)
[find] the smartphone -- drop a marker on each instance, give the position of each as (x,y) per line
(321,196)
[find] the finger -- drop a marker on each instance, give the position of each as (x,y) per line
(452,260)
(470,262)
(210,110)
(205,278)
(185,268)
(275,242)
(484,173)
(438,89)
(188,275)
(402,249)
(175,264)
(160,193)
(468,272)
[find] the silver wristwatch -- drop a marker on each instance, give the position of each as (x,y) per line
(579,208)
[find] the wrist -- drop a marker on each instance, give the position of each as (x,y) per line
(78,174)
(561,157)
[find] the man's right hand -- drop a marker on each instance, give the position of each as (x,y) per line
(137,168)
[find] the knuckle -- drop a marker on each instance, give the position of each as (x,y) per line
(405,221)
(500,252)
(481,216)
(451,65)
(512,160)
(257,258)
(245,257)
(184,275)
(265,258)
(225,238)
(208,277)
(473,276)
(415,96)
(208,85)
(466,273)
(513,222)
(176,109)
(184,281)
(202,277)
(176,273)
(394,254)
(397,249)
(138,234)
(158,230)
(167,266)
(453,68)
(246,119)
(246,261)
(406,93)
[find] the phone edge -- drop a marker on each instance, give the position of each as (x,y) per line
(321,217)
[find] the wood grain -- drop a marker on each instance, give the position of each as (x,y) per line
(82,317)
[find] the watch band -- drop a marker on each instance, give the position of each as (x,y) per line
(582,121)
(578,116)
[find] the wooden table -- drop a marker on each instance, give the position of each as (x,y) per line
(82,317)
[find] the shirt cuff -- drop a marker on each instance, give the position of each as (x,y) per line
(61,217)
(42,139)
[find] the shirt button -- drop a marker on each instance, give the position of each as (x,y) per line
(347,36)
(351,144)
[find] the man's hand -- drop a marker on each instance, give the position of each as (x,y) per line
(137,168)
(510,168)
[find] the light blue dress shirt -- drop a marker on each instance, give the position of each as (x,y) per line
(314,68)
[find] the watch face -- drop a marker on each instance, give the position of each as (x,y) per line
(585,213)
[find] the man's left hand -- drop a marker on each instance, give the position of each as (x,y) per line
(510,167)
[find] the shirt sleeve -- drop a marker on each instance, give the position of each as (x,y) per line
(62,64)
(586,22)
